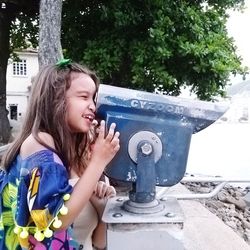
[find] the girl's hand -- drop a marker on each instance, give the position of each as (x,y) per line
(104,190)
(105,147)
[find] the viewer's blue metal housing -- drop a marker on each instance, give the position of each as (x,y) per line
(166,122)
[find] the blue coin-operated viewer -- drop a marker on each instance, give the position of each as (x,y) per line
(155,137)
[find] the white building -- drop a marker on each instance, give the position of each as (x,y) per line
(19,74)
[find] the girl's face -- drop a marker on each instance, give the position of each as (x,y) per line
(80,111)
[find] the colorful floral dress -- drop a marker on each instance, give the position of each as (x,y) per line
(33,192)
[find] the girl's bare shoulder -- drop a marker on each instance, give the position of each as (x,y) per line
(31,145)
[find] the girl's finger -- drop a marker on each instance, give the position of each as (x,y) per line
(111,191)
(97,189)
(94,122)
(102,129)
(102,189)
(110,134)
(116,148)
(115,142)
(117,134)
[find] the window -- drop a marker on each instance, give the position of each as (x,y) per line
(13,111)
(20,68)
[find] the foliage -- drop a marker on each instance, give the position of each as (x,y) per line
(24,32)
(151,44)
(24,25)
(154,43)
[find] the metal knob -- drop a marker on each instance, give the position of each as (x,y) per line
(146,148)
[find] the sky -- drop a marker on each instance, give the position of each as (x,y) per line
(238,28)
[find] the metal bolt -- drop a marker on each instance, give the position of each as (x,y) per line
(170,215)
(163,198)
(119,199)
(146,149)
(117,215)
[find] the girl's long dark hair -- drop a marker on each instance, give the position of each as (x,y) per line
(46,113)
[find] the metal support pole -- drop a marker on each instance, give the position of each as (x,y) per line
(220,181)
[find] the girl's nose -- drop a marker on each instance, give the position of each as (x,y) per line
(92,107)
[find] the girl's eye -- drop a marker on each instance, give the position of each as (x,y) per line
(95,98)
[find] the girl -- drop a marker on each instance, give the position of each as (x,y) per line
(50,189)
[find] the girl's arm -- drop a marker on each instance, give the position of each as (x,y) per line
(99,199)
(102,153)
(104,149)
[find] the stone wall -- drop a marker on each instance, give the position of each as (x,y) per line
(231,205)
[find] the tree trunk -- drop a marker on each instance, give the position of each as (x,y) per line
(50,49)
(5,21)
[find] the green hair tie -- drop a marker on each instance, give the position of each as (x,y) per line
(63,63)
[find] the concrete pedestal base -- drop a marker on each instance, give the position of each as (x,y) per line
(158,231)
